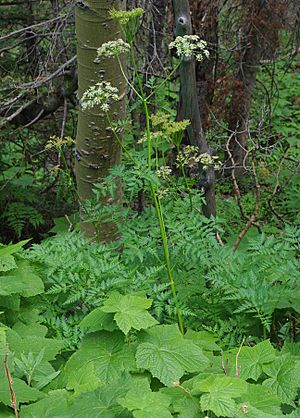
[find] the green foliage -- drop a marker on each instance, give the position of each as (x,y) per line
(128,366)
(130,311)
(168,356)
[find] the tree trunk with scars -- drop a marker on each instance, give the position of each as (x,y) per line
(96,148)
(189,108)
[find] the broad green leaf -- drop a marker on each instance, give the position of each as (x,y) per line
(52,406)
(34,330)
(220,405)
(22,280)
(167,355)
(130,311)
(101,403)
(7,263)
(259,402)
(204,339)
(10,302)
(5,412)
(252,359)
(108,353)
(12,248)
(222,390)
(34,345)
(284,380)
(144,403)
(225,385)
(98,320)
(183,403)
(83,380)
(23,392)
(291,348)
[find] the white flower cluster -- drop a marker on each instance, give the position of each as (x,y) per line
(155,137)
(164,172)
(163,192)
(101,94)
(190,156)
(113,48)
(209,161)
(190,45)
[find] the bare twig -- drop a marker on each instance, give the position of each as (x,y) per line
(237,371)
(37,83)
(10,382)
(253,217)
(27,28)
(275,190)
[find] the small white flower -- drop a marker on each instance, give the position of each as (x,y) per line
(164,172)
(190,45)
(113,48)
(208,161)
(101,94)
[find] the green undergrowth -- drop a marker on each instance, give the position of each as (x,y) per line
(89,330)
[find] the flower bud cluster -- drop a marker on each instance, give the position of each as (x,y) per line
(125,16)
(113,48)
(58,143)
(164,172)
(190,45)
(190,156)
(101,94)
(155,137)
(210,161)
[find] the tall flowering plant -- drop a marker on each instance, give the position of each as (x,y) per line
(158,127)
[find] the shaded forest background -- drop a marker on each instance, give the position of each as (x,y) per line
(248,95)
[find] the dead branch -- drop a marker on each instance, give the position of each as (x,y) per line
(10,383)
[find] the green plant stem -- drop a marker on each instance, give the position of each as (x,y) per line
(155,198)
(126,79)
(184,177)
(165,80)
(116,136)
(264,332)
(167,255)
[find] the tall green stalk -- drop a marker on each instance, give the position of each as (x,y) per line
(157,204)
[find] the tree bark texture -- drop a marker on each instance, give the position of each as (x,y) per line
(205,15)
(262,20)
(96,149)
(189,108)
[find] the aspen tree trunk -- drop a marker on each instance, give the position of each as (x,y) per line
(189,108)
(96,149)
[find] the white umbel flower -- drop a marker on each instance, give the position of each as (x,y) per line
(190,45)
(113,48)
(101,94)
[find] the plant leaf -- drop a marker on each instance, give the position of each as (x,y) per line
(252,359)
(284,378)
(130,311)
(108,353)
(168,355)
(97,320)
(52,406)
(144,403)
(222,390)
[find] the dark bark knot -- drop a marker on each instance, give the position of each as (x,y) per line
(81,5)
(182,20)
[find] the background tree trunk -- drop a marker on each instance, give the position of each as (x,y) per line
(262,20)
(189,108)
(96,149)
(205,15)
